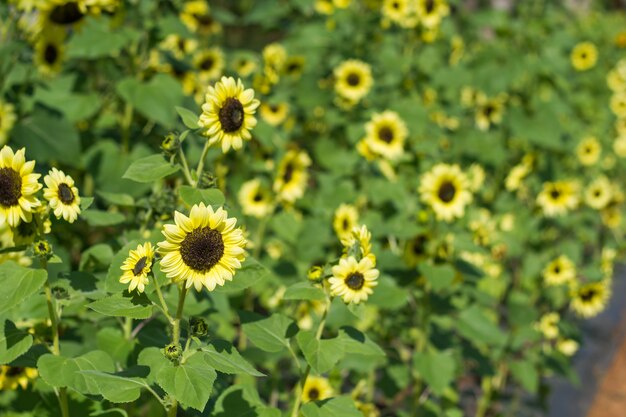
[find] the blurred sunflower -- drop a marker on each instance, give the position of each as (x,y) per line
(386,134)
(489,111)
(209,63)
(255,199)
(590,299)
(599,193)
(431,12)
(244,65)
(274,58)
(559,271)
(178,46)
(618,104)
(294,66)
(196,15)
(353,80)
(548,325)
(292,177)
(12,377)
(611,217)
(62,195)
(354,280)
(416,249)
(50,52)
(513,181)
(274,114)
(399,11)
(619,146)
(7,120)
(584,56)
(588,151)
(316,388)
(558,197)
(360,235)
(568,347)
(228,113)
(61,12)
(137,267)
(446,189)
(18,186)
(345,219)
(204,249)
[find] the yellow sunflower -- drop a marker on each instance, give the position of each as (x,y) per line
(294,66)
(274,114)
(354,280)
(568,347)
(228,113)
(588,151)
(274,58)
(590,299)
(196,15)
(137,267)
(7,120)
(61,12)
(599,193)
(202,249)
(316,388)
(618,104)
(401,12)
(611,217)
(345,219)
(178,46)
(558,197)
(50,52)
(353,80)
(559,271)
(244,65)
(12,377)
(255,199)
(292,178)
(386,134)
(584,56)
(416,249)
(209,63)
(619,146)
(18,186)
(548,325)
(62,195)
(446,189)
(489,111)
(476,176)
(517,174)
(362,236)
(431,12)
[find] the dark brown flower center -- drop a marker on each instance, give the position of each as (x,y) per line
(355,281)
(203,19)
(447,191)
(140,265)
(202,249)
(557,269)
(314,394)
(419,245)
(489,109)
(50,54)
(429,6)
(10,187)
(65,194)
(555,194)
(288,175)
(353,79)
(345,224)
(385,134)
(395,5)
(231,115)
(207,64)
(588,294)
(14,371)
(66,14)
(258,197)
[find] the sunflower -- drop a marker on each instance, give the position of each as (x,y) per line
(209,63)
(345,219)
(316,388)
(255,199)
(137,267)
(588,151)
(360,236)
(18,186)
(431,12)
(292,177)
(517,174)
(568,347)
(559,271)
(385,134)
(618,104)
(62,195)
(354,280)
(548,325)
(446,189)
(12,377)
(599,193)
(7,120)
(274,58)
(401,12)
(416,249)
(590,299)
(619,146)
(558,197)
(244,65)
(202,249)
(584,56)
(178,46)
(61,12)
(294,66)
(476,176)
(196,15)
(324,7)
(611,217)
(489,111)
(274,114)
(228,113)
(353,80)
(50,51)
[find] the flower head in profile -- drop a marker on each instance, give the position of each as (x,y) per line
(446,189)
(137,267)
(354,280)
(18,186)
(584,56)
(292,177)
(316,388)
(62,195)
(228,113)
(204,249)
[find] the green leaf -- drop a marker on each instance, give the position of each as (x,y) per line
(153,99)
(476,326)
(60,371)
(112,341)
(154,359)
(191,383)
(526,374)
(437,369)
(251,273)
(242,401)
(149,169)
(119,199)
(388,295)
(304,291)
(355,341)
(102,218)
(18,283)
(224,357)
(270,334)
(135,306)
(211,196)
(322,355)
(96,39)
(440,277)
(335,407)
(115,388)
(189,118)
(13,342)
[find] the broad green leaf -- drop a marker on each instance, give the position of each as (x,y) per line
(96,217)
(476,326)
(526,374)
(304,291)
(388,295)
(322,355)
(154,99)
(115,388)
(335,407)
(112,341)
(191,383)
(154,359)
(149,169)
(13,342)
(191,196)
(251,273)
(355,341)
(99,254)
(135,306)
(189,118)
(18,283)
(119,199)
(97,39)
(270,334)
(440,277)
(60,371)
(242,401)
(224,357)
(436,368)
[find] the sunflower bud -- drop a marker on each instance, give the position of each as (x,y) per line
(207,180)
(198,327)
(315,273)
(42,249)
(170,144)
(173,351)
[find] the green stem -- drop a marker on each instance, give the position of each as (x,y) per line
(485,400)
(202,157)
(127,120)
(186,171)
(128,328)
(162,300)
(179,314)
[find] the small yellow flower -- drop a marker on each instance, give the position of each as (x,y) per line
(558,197)
(12,377)
(62,195)
(353,80)
(548,325)
(196,15)
(274,114)
(588,151)
(209,63)
(599,193)
(18,186)
(446,189)
(560,271)
(590,299)
(137,267)
(386,134)
(255,199)
(316,388)
(568,347)
(618,104)
(345,219)
(292,178)
(354,280)
(584,56)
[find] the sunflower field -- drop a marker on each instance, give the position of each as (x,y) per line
(315,208)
